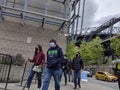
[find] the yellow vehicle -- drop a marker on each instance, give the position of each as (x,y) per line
(105,76)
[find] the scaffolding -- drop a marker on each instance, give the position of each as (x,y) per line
(53,12)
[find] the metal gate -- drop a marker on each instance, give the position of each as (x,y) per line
(5,68)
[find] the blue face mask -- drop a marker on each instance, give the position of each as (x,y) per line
(52,44)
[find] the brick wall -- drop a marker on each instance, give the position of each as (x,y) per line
(13,38)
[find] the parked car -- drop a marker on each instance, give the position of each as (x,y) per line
(100,75)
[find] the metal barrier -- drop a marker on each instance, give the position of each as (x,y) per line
(25,74)
(5,68)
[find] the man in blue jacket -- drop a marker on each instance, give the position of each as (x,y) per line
(54,59)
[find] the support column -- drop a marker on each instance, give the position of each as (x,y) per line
(24,13)
(46,12)
(78,14)
(4,2)
(82,19)
(65,9)
(1,16)
(64,16)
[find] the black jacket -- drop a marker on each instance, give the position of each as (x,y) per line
(64,64)
(77,63)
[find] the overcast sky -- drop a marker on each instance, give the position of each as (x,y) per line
(100,11)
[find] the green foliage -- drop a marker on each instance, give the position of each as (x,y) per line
(115,44)
(71,50)
(91,51)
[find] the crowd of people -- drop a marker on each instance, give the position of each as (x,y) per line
(57,65)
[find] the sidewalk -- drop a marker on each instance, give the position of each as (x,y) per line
(84,86)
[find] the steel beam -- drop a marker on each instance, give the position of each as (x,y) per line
(57,1)
(35,13)
(65,10)
(61,27)
(78,17)
(14,3)
(82,19)
(37,7)
(4,2)
(24,13)
(1,16)
(32,18)
(46,11)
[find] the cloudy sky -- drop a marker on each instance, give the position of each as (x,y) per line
(99,11)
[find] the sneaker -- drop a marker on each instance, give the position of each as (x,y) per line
(75,88)
(26,89)
(38,89)
(79,86)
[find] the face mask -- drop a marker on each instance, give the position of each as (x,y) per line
(52,44)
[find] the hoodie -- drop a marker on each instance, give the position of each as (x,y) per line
(54,57)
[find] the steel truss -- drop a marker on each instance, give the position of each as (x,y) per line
(5,10)
(107,29)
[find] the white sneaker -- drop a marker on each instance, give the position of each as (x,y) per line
(26,89)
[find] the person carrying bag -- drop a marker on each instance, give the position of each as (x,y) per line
(39,61)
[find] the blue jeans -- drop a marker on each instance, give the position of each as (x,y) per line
(56,75)
(31,75)
(77,77)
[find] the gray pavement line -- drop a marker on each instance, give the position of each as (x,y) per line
(91,84)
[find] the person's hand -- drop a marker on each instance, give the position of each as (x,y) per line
(29,59)
(81,70)
(63,67)
(113,62)
(40,66)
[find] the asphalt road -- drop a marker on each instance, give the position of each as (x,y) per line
(113,85)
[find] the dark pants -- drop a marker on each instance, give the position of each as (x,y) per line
(118,75)
(77,78)
(31,75)
(64,71)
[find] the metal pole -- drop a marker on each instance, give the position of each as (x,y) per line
(14,3)
(50,22)
(65,10)
(1,16)
(8,72)
(64,16)
(78,16)
(82,20)
(74,21)
(35,13)
(4,2)
(24,13)
(46,9)
(46,12)
(23,74)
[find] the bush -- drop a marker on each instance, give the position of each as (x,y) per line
(18,60)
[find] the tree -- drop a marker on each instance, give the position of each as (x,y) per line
(92,51)
(71,50)
(115,45)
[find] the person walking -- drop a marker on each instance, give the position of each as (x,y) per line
(70,75)
(39,61)
(54,59)
(64,68)
(117,68)
(77,66)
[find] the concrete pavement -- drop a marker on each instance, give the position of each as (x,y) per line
(84,86)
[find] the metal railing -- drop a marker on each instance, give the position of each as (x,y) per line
(5,68)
